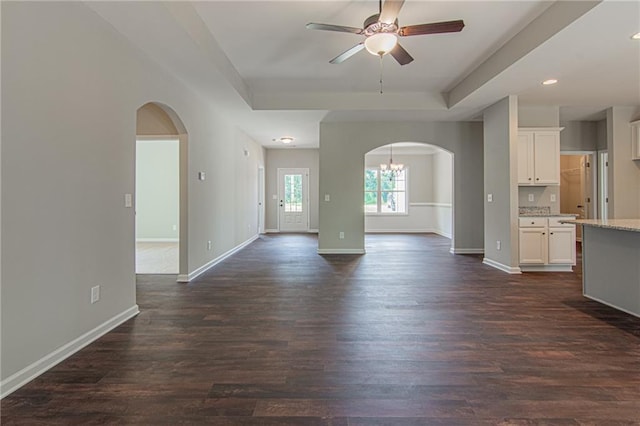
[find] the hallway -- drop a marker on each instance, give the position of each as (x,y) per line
(407,334)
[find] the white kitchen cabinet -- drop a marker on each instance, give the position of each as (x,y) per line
(546,244)
(533,246)
(562,245)
(635,140)
(539,156)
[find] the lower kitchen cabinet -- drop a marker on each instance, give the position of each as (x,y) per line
(546,244)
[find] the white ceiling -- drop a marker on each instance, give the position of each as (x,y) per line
(272,76)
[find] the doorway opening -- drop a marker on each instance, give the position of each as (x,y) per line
(160,192)
(293,200)
(157,205)
(578,189)
(603,182)
(419,199)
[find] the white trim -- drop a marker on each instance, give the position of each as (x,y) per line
(546,268)
(500,266)
(538,129)
(201,270)
(409,231)
(175,137)
(341,251)
(454,250)
(448,205)
(313,231)
(635,314)
(157,240)
(30,372)
(271,231)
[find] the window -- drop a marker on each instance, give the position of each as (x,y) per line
(292,193)
(385,191)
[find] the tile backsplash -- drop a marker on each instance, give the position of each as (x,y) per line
(537,210)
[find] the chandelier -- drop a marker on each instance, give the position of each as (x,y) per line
(394,168)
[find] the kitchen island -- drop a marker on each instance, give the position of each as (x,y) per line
(611,262)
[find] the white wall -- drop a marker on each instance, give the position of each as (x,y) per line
(68,151)
(157,195)
(290,158)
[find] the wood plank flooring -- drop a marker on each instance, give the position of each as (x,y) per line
(407,334)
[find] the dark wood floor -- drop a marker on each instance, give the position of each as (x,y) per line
(407,334)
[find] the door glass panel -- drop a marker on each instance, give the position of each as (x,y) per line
(292,193)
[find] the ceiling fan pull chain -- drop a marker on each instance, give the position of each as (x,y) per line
(381,74)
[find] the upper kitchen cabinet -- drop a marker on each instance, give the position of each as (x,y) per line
(635,140)
(539,156)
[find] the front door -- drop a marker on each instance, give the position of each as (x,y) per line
(293,200)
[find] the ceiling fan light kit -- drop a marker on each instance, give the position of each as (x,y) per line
(380,44)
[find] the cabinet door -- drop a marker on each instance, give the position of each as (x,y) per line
(525,158)
(546,148)
(562,245)
(533,246)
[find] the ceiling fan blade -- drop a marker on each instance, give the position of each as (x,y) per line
(390,10)
(346,55)
(339,28)
(401,55)
(433,28)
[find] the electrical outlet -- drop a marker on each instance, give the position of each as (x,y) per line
(209,245)
(531,197)
(341,235)
(174,227)
(552,198)
(498,245)
(327,197)
(95,294)
(490,198)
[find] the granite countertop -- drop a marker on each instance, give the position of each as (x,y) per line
(619,224)
(548,215)
(539,211)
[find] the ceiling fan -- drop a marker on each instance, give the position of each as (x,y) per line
(381,33)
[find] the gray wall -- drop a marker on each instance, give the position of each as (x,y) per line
(342,150)
(290,158)
(624,174)
(501,180)
(578,136)
(68,154)
(538,116)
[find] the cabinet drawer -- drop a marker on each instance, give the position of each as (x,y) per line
(555,222)
(532,222)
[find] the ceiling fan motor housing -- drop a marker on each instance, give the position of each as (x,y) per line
(372,25)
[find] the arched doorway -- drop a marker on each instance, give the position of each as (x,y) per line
(161,191)
(416,199)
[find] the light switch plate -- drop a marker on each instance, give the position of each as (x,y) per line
(128,200)
(552,198)
(531,197)
(490,198)
(327,197)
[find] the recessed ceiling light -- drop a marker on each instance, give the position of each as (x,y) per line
(550,81)
(636,36)
(286,139)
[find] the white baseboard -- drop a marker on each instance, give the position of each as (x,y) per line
(400,231)
(454,250)
(313,231)
(504,268)
(546,268)
(30,372)
(271,231)
(341,251)
(182,278)
(157,240)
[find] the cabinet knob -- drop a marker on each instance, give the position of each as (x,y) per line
(550,233)
(532,223)
(537,178)
(543,233)
(529,178)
